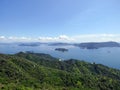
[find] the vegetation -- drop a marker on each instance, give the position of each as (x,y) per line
(35,71)
(61,49)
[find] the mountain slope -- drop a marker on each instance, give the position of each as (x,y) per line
(34,71)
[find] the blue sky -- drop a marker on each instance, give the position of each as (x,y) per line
(60,19)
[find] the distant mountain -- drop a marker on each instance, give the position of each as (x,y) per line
(37,71)
(87,45)
(33,44)
(96,45)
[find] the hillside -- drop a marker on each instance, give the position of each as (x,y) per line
(36,71)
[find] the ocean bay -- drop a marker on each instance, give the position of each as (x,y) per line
(107,56)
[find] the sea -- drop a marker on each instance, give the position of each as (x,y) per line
(109,56)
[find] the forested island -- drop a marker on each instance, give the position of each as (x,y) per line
(61,49)
(97,45)
(38,71)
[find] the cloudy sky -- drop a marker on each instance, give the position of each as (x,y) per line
(59,20)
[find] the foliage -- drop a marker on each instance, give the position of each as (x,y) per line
(35,71)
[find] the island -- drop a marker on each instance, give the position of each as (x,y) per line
(61,49)
(97,45)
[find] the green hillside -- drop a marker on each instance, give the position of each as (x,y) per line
(36,71)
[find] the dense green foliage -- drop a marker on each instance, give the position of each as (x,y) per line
(35,71)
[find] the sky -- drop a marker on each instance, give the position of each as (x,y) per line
(59,20)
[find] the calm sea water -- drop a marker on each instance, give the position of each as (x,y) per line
(106,56)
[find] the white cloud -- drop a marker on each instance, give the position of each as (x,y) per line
(2,37)
(61,38)
(97,37)
(65,38)
(12,38)
(15,39)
